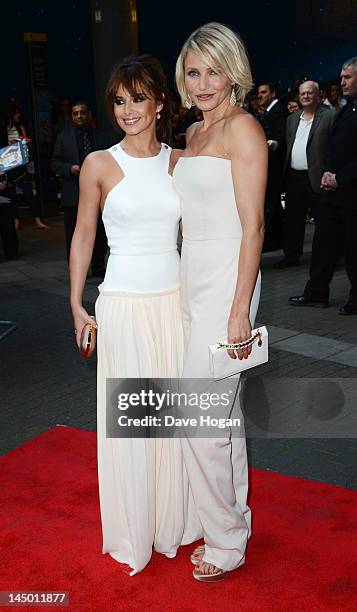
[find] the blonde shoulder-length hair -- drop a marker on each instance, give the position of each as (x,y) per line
(219,47)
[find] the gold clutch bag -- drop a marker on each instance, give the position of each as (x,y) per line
(88,340)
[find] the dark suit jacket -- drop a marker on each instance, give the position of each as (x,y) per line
(274,124)
(316,148)
(65,155)
(342,157)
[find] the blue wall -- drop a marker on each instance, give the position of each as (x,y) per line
(284,38)
(68,27)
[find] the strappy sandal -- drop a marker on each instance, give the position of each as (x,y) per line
(197,554)
(216,576)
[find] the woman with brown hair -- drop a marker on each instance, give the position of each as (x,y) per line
(143,486)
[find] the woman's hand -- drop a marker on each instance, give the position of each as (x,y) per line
(81,318)
(239,330)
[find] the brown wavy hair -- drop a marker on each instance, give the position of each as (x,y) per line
(137,74)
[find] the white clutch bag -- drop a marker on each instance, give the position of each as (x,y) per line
(222,366)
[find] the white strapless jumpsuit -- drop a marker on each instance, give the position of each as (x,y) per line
(212,233)
(143,484)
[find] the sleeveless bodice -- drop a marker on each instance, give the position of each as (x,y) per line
(212,235)
(141,215)
(206,191)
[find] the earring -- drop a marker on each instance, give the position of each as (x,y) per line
(158,116)
(233,98)
(188,102)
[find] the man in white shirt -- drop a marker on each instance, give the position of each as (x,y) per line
(307,132)
(337,223)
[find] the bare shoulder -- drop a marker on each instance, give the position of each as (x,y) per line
(242,121)
(95,163)
(241,132)
(97,158)
(191,130)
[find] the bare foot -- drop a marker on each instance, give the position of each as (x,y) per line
(40,224)
(207,572)
(197,554)
(207,568)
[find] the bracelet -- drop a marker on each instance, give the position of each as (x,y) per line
(243,344)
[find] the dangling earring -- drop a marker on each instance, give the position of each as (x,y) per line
(233,98)
(188,102)
(158,116)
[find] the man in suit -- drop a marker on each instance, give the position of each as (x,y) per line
(273,120)
(71,148)
(307,132)
(339,183)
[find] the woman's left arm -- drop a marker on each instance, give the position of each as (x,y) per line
(246,144)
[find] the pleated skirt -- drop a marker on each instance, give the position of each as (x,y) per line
(145,500)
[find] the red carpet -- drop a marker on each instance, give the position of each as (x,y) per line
(302,555)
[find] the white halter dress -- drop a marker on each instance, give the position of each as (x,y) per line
(143,486)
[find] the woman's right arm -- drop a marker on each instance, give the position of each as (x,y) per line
(84,237)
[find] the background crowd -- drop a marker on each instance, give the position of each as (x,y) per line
(294,193)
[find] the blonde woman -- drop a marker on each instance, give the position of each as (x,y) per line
(221,179)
